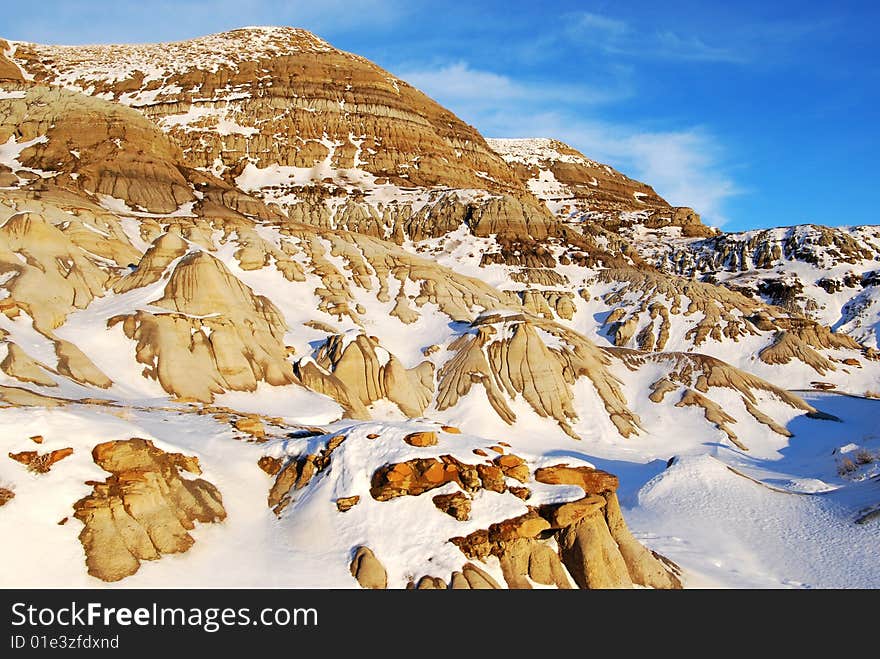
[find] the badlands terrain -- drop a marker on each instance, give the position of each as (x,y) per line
(273,317)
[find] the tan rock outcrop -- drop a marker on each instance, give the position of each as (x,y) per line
(421,439)
(508,354)
(367,372)
(6,495)
(297,472)
(344,504)
(474,578)
(367,569)
(252,426)
(713,412)
(119,152)
(217,335)
(592,556)
(457,505)
(21,366)
(41,463)
(144,509)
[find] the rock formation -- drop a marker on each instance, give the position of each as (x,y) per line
(575,187)
(41,463)
(144,509)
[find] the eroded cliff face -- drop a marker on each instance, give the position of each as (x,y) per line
(258,101)
(579,189)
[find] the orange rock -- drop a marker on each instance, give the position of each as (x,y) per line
(509,461)
(252,426)
(421,439)
(24,457)
(38,463)
(480,452)
(334,443)
(270,465)
(590,480)
(569,513)
(436,473)
(491,477)
(457,504)
(37,439)
(452,430)
(373,435)
(523,493)
(344,504)
(6,496)
(497,449)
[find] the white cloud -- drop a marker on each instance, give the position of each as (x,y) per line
(684,167)
(618,37)
(460,82)
(471,91)
(597,23)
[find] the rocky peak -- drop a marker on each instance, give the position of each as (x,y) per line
(282,107)
(576,187)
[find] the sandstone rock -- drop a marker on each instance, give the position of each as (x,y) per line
(245,343)
(298,472)
(491,477)
(589,479)
(367,569)
(644,566)
(546,568)
(472,577)
(483,542)
(457,505)
(451,430)
(514,467)
(40,463)
(345,504)
(412,477)
(431,583)
(504,361)
(592,557)
(421,439)
(144,509)
(585,188)
(272,66)
(270,465)
(36,439)
(366,372)
(252,426)
(567,514)
(19,365)
(524,559)
(523,493)
(713,413)
(6,495)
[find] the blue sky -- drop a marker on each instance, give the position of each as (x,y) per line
(756,113)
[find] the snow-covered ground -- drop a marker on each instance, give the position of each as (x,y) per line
(781,515)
